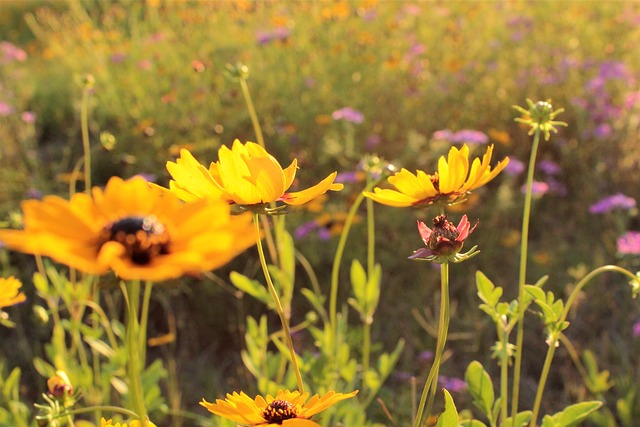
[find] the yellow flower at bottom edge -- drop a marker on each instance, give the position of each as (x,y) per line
(10,292)
(134,423)
(246,174)
(287,408)
(132,229)
(452,182)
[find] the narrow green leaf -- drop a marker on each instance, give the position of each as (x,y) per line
(249,286)
(359,282)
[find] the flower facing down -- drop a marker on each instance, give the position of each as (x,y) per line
(444,241)
(287,408)
(132,229)
(10,292)
(450,184)
(59,386)
(134,423)
(244,175)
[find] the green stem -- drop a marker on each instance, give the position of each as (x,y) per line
(252,113)
(504,376)
(133,350)
(431,384)
(91,409)
(371,242)
(335,271)
(278,305)
(144,320)
(84,124)
(554,336)
(524,241)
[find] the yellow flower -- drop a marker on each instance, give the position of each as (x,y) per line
(9,292)
(288,409)
(450,184)
(134,423)
(132,229)
(246,174)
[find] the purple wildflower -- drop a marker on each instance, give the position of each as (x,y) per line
(465,135)
(28,116)
(549,167)
(277,34)
(6,109)
(11,52)
(118,57)
(538,188)
(610,203)
(515,167)
(348,114)
(452,384)
(305,229)
(629,243)
(636,329)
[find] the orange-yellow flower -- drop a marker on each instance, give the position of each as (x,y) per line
(134,423)
(451,183)
(10,292)
(133,230)
(287,408)
(245,175)
(59,385)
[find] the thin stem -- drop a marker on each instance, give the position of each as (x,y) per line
(371,242)
(144,319)
(91,409)
(443,328)
(84,124)
(133,350)
(555,336)
(276,300)
(504,376)
(252,113)
(335,271)
(524,241)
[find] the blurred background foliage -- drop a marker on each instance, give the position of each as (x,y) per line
(412,69)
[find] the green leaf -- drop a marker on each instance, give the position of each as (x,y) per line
(522,419)
(480,387)
(487,291)
(537,293)
(251,287)
(359,282)
(449,417)
(11,384)
(100,346)
(571,415)
(41,284)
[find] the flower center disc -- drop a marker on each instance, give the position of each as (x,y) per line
(142,237)
(278,411)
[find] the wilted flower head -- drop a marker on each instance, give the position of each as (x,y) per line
(288,409)
(449,185)
(444,241)
(245,175)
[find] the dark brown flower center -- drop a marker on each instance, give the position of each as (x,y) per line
(142,237)
(278,411)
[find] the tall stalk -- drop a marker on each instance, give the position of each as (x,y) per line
(276,299)
(431,384)
(524,242)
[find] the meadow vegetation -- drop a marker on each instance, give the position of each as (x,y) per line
(90,90)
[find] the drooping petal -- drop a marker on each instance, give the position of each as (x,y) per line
(189,176)
(318,404)
(304,196)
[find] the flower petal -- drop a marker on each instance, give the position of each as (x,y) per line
(304,196)
(390,197)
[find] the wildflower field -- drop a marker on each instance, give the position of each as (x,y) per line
(319,213)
